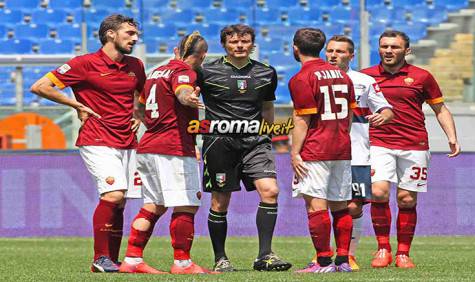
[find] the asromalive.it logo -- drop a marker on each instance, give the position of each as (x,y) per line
(224,127)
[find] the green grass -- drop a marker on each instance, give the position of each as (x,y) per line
(68,259)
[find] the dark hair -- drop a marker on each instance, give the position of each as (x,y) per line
(310,41)
(113,22)
(396,33)
(344,38)
(192,44)
(238,29)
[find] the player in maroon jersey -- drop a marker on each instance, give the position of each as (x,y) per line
(105,84)
(166,158)
(400,149)
(323,96)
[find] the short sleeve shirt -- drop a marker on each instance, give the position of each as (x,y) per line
(107,87)
(406,91)
(326,93)
(166,118)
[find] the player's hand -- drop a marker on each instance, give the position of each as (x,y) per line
(135,124)
(193,99)
(376,119)
(299,166)
(454,149)
(85,112)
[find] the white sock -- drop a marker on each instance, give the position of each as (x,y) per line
(183,262)
(133,261)
(356,234)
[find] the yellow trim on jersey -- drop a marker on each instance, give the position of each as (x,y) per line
(353,105)
(55,80)
(309,111)
(435,100)
(225,60)
(263,85)
(225,87)
(141,100)
(183,86)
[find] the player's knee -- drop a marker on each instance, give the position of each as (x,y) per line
(187,209)
(355,209)
(380,194)
(406,202)
(116,197)
(219,206)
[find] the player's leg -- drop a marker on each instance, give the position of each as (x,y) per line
(383,163)
(218,229)
(266,216)
(356,211)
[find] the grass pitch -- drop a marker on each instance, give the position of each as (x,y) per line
(68,259)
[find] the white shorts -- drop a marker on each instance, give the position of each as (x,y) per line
(329,180)
(113,169)
(406,168)
(171,181)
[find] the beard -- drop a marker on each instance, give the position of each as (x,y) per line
(296,56)
(122,50)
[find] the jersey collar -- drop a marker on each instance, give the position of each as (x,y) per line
(226,61)
(404,69)
(111,62)
(181,63)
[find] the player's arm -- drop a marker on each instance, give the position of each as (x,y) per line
(382,117)
(382,110)
(301,124)
(139,113)
(189,96)
(268,111)
(45,87)
(447,123)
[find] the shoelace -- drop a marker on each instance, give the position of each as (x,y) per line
(225,263)
(403,258)
(380,253)
(106,261)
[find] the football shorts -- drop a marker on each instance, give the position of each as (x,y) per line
(228,160)
(329,180)
(112,169)
(361,182)
(406,168)
(171,181)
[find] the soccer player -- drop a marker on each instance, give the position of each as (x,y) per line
(105,84)
(235,87)
(323,97)
(372,109)
(400,150)
(166,158)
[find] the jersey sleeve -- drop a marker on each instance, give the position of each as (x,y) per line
(376,99)
(183,79)
(351,94)
(432,93)
(303,97)
(270,93)
(71,73)
(141,77)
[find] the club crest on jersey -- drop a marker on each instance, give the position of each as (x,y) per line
(183,79)
(242,86)
(131,73)
(408,80)
(221,179)
(64,68)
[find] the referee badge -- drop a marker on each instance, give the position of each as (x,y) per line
(221,179)
(242,86)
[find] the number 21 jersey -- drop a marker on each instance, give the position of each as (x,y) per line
(326,93)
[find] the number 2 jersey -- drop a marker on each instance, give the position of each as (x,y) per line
(166,119)
(326,93)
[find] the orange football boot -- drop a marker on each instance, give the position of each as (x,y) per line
(139,268)
(382,258)
(404,261)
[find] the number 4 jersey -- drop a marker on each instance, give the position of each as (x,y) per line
(166,119)
(326,93)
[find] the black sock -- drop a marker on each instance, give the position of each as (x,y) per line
(341,259)
(324,261)
(218,228)
(265,219)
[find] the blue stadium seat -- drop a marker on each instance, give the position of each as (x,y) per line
(215,47)
(175,16)
(51,46)
(299,15)
(11,17)
(280,61)
(432,15)
(282,94)
(93,44)
(209,31)
(159,31)
(49,16)
(331,29)
(105,4)
(7,95)
(69,31)
(6,74)
(29,98)
(270,45)
(381,14)
(46,102)
(65,4)
(153,3)
(244,4)
(405,3)
(372,3)
(281,3)
(415,31)
(268,16)
(343,14)
(222,16)
(374,56)
(452,5)
(95,16)
(197,4)
(3,31)
(16,46)
(22,4)
(77,15)
(324,3)
(31,31)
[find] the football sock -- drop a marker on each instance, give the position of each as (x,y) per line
(182,262)
(320,228)
(218,228)
(342,226)
(102,222)
(406,225)
(182,228)
(381,217)
(133,260)
(266,218)
(138,239)
(341,259)
(324,261)
(356,234)
(116,234)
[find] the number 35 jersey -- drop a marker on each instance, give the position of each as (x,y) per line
(326,94)
(166,119)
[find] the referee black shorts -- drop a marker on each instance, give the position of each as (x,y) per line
(228,160)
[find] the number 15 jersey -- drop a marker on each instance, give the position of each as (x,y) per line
(326,93)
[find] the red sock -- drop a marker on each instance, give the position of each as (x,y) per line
(342,227)
(116,234)
(406,225)
(102,221)
(138,239)
(381,217)
(182,230)
(320,228)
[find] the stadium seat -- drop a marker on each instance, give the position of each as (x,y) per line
(415,31)
(239,4)
(281,3)
(451,5)
(282,95)
(324,3)
(31,31)
(159,31)
(106,4)
(16,46)
(3,31)
(405,3)
(431,15)
(222,17)
(93,44)
(215,47)
(65,4)
(197,4)
(270,45)
(69,31)
(209,31)
(268,16)
(297,15)
(5,74)
(29,98)
(374,56)
(51,46)
(7,95)
(171,16)
(343,14)
(11,17)
(95,16)
(152,3)
(280,61)
(22,4)
(49,16)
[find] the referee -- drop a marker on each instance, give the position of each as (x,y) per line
(235,87)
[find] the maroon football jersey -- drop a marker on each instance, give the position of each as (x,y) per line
(325,92)
(166,118)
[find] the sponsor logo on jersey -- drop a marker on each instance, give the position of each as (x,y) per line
(408,80)
(221,179)
(242,86)
(110,180)
(183,79)
(106,74)
(254,127)
(64,69)
(360,87)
